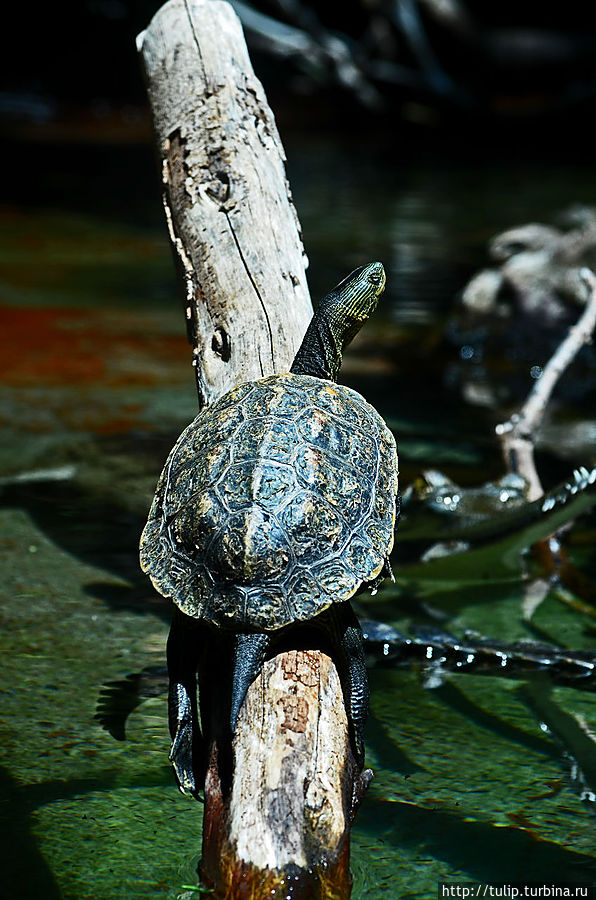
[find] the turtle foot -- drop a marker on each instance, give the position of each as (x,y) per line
(352,666)
(186,741)
(249,656)
(187,755)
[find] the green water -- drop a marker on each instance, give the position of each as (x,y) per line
(97,385)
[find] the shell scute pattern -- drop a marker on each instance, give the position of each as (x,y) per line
(336,580)
(276,486)
(270,397)
(274,503)
(208,433)
(328,433)
(315,527)
(266,606)
(380,533)
(269,437)
(336,484)
(363,456)
(252,548)
(222,604)
(194,524)
(381,506)
(340,401)
(304,592)
(235,490)
(213,464)
(188,590)
(233,398)
(363,559)
(196,473)
(286,398)
(268,485)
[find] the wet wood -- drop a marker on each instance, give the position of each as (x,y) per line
(283,829)
(278,823)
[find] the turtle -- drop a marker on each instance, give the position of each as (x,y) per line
(275,506)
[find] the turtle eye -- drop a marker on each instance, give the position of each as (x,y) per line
(375,278)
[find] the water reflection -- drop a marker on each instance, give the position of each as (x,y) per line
(98,383)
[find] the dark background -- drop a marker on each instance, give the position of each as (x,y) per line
(517,71)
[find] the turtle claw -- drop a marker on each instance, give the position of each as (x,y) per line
(249,655)
(386,572)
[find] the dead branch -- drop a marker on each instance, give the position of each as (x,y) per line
(323,50)
(518,434)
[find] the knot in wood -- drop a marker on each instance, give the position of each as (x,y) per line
(218,188)
(221,345)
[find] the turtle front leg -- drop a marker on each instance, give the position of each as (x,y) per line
(187,751)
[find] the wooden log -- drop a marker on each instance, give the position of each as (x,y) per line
(283,828)
(281,819)
(231,220)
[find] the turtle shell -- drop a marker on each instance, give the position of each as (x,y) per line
(275,502)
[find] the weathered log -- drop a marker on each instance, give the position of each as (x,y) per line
(232,224)
(282,816)
(283,827)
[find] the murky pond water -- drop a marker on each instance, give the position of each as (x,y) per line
(97,385)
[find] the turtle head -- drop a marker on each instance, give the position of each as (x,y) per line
(339,317)
(352,301)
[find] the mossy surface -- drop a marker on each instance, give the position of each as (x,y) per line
(98,385)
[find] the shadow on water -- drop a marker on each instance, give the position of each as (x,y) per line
(96,532)
(485,852)
(97,524)
(457,700)
(389,755)
(22,865)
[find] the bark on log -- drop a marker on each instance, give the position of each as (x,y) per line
(279,824)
